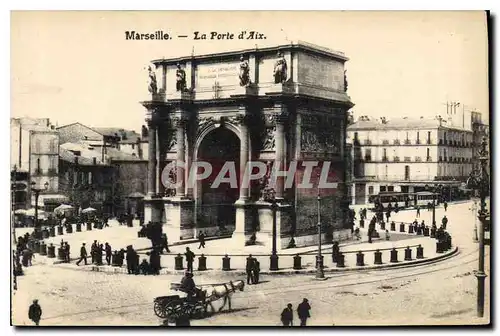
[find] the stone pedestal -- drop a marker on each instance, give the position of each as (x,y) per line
(179,214)
(245,211)
(279,88)
(178,95)
(283,224)
(249,90)
(152,209)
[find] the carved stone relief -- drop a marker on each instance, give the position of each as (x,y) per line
(269,142)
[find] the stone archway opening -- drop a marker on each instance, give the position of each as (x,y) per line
(215,208)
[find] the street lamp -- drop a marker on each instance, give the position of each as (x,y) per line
(319,258)
(37,191)
(480,181)
(434,190)
(270,196)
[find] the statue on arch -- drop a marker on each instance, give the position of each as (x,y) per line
(244,72)
(180,76)
(280,69)
(345,81)
(153,86)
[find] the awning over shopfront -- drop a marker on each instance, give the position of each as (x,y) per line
(44,199)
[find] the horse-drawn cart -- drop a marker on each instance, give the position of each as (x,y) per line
(173,307)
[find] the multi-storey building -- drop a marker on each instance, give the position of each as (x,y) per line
(34,151)
(405,155)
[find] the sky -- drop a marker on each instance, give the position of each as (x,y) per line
(77,66)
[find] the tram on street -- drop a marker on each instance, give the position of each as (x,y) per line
(404,200)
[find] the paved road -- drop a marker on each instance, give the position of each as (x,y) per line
(441,293)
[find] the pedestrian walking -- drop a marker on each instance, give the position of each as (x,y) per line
(335,251)
(83,255)
(387,235)
(303,311)
(108,251)
(165,244)
(93,252)
(131,260)
(201,237)
(249,268)
(35,312)
(445,204)
(189,259)
(444,221)
(418,211)
(287,316)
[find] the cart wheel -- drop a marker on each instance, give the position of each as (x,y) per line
(159,309)
(174,309)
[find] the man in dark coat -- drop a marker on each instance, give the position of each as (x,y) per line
(335,251)
(35,312)
(189,259)
(131,260)
(256,271)
(93,251)
(445,204)
(249,268)
(303,312)
(418,211)
(444,221)
(67,252)
(165,244)
(155,262)
(201,237)
(287,316)
(107,249)
(83,255)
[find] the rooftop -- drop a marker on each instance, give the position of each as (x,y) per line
(126,136)
(293,45)
(400,123)
(86,154)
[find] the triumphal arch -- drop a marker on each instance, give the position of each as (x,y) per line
(284,107)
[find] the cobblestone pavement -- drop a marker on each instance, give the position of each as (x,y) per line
(441,293)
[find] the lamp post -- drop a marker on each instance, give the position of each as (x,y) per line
(319,258)
(480,181)
(37,191)
(270,196)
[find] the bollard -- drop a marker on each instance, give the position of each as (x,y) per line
(393,226)
(433,232)
(420,252)
(60,254)
(273,262)
(37,246)
(69,228)
(51,251)
(378,258)
(410,229)
(60,230)
(382,226)
(43,249)
(297,262)
(178,262)
(202,263)
(52,231)
(78,227)
(439,247)
(394,255)
(407,253)
(226,263)
(89,226)
(360,259)
(426,231)
(361,223)
(402,227)
(418,231)
(45,234)
(341,260)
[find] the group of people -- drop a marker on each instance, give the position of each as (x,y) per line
(253,270)
(302,312)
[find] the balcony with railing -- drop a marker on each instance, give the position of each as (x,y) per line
(396,159)
(367,142)
(429,141)
(385,142)
(407,142)
(417,141)
(418,159)
(368,158)
(396,142)
(407,159)
(429,159)
(385,159)
(38,171)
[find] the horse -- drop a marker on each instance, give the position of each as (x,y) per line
(225,290)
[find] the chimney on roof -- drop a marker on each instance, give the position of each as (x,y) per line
(94,161)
